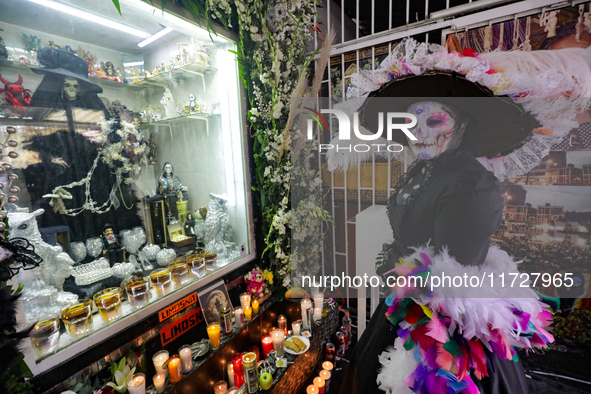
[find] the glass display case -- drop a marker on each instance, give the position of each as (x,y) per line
(130,160)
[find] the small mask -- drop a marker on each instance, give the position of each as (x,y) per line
(436,128)
(70,89)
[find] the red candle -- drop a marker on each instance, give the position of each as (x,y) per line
(238,373)
(267,343)
(255,350)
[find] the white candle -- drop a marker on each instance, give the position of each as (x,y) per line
(220,387)
(318,299)
(239,317)
(317,313)
(244,300)
(231,374)
(306,304)
(296,327)
(159,382)
(233,390)
(137,384)
(278,337)
(186,358)
(159,359)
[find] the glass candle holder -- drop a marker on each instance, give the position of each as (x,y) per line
(317,313)
(244,300)
(77,318)
(196,266)
(255,306)
(108,302)
(137,384)
(318,299)
(175,369)
(138,291)
(159,359)
(180,273)
(161,281)
(296,327)
(210,260)
(326,375)
(320,384)
(213,331)
(45,336)
(282,323)
(239,317)
(220,387)
(186,358)
(159,382)
(247,313)
(267,345)
(306,304)
(278,337)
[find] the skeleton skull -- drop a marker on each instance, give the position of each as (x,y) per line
(70,89)
(437,130)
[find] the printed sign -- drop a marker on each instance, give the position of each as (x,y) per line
(181,326)
(178,306)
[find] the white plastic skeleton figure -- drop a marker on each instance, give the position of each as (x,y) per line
(70,89)
(168,102)
(436,129)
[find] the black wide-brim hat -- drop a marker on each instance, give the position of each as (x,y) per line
(496,126)
(65,64)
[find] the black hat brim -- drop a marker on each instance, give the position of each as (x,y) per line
(496,126)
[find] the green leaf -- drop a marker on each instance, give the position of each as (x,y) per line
(118,6)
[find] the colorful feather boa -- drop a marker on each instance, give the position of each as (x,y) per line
(443,333)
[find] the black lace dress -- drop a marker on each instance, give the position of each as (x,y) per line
(450,201)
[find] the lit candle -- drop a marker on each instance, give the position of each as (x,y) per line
(159,359)
(325,375)
(282,323)
(213,331)
(239,317)
(317,313)
(220,387)
(278,337)
(267,344)
(244,300)
(312,389)
(137,384)
(231,374)
(175,369)
(186,358)
(319,383)
(296,326)
(306,304)
(247,313)
(255,306)
(328,366)
(159,382)
(318,299)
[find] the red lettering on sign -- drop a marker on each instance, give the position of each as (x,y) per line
(178,306)
(180,326)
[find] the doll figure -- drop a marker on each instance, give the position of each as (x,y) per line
(169,185)
(112,246)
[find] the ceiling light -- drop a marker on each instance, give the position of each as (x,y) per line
(91,17)
(154,37)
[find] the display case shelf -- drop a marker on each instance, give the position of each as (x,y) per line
(170,121)
(188,71)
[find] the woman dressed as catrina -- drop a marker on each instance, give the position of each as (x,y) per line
(480,118)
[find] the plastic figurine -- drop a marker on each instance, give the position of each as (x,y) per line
(167,102)
(109,68)
(3,50)
(189,226)
(192,102)
(112,246)
(16,94)
(170,186)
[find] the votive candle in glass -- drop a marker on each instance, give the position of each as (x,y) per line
(77,318)
(318,299)
(255,306)
(306,304)
(324,374)
(159,359)
(278,337)
(210,260)
(180,273)
(328,366)
(320,384)
(213,331)
(138,292)
(282,323)
(108,303)
(220,387)
(312,389)
(247,313)
(239,317)
(317,313)
(161,281)
(267,344)
(175,369)
(137,384)
(296,327)
(186,358)
(231,381)
(45,336)
(159,382)
(196,265)
(244,300)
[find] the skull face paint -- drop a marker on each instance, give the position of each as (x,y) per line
(435,129)
(70,89)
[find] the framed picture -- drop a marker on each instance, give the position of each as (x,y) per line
(212,300)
